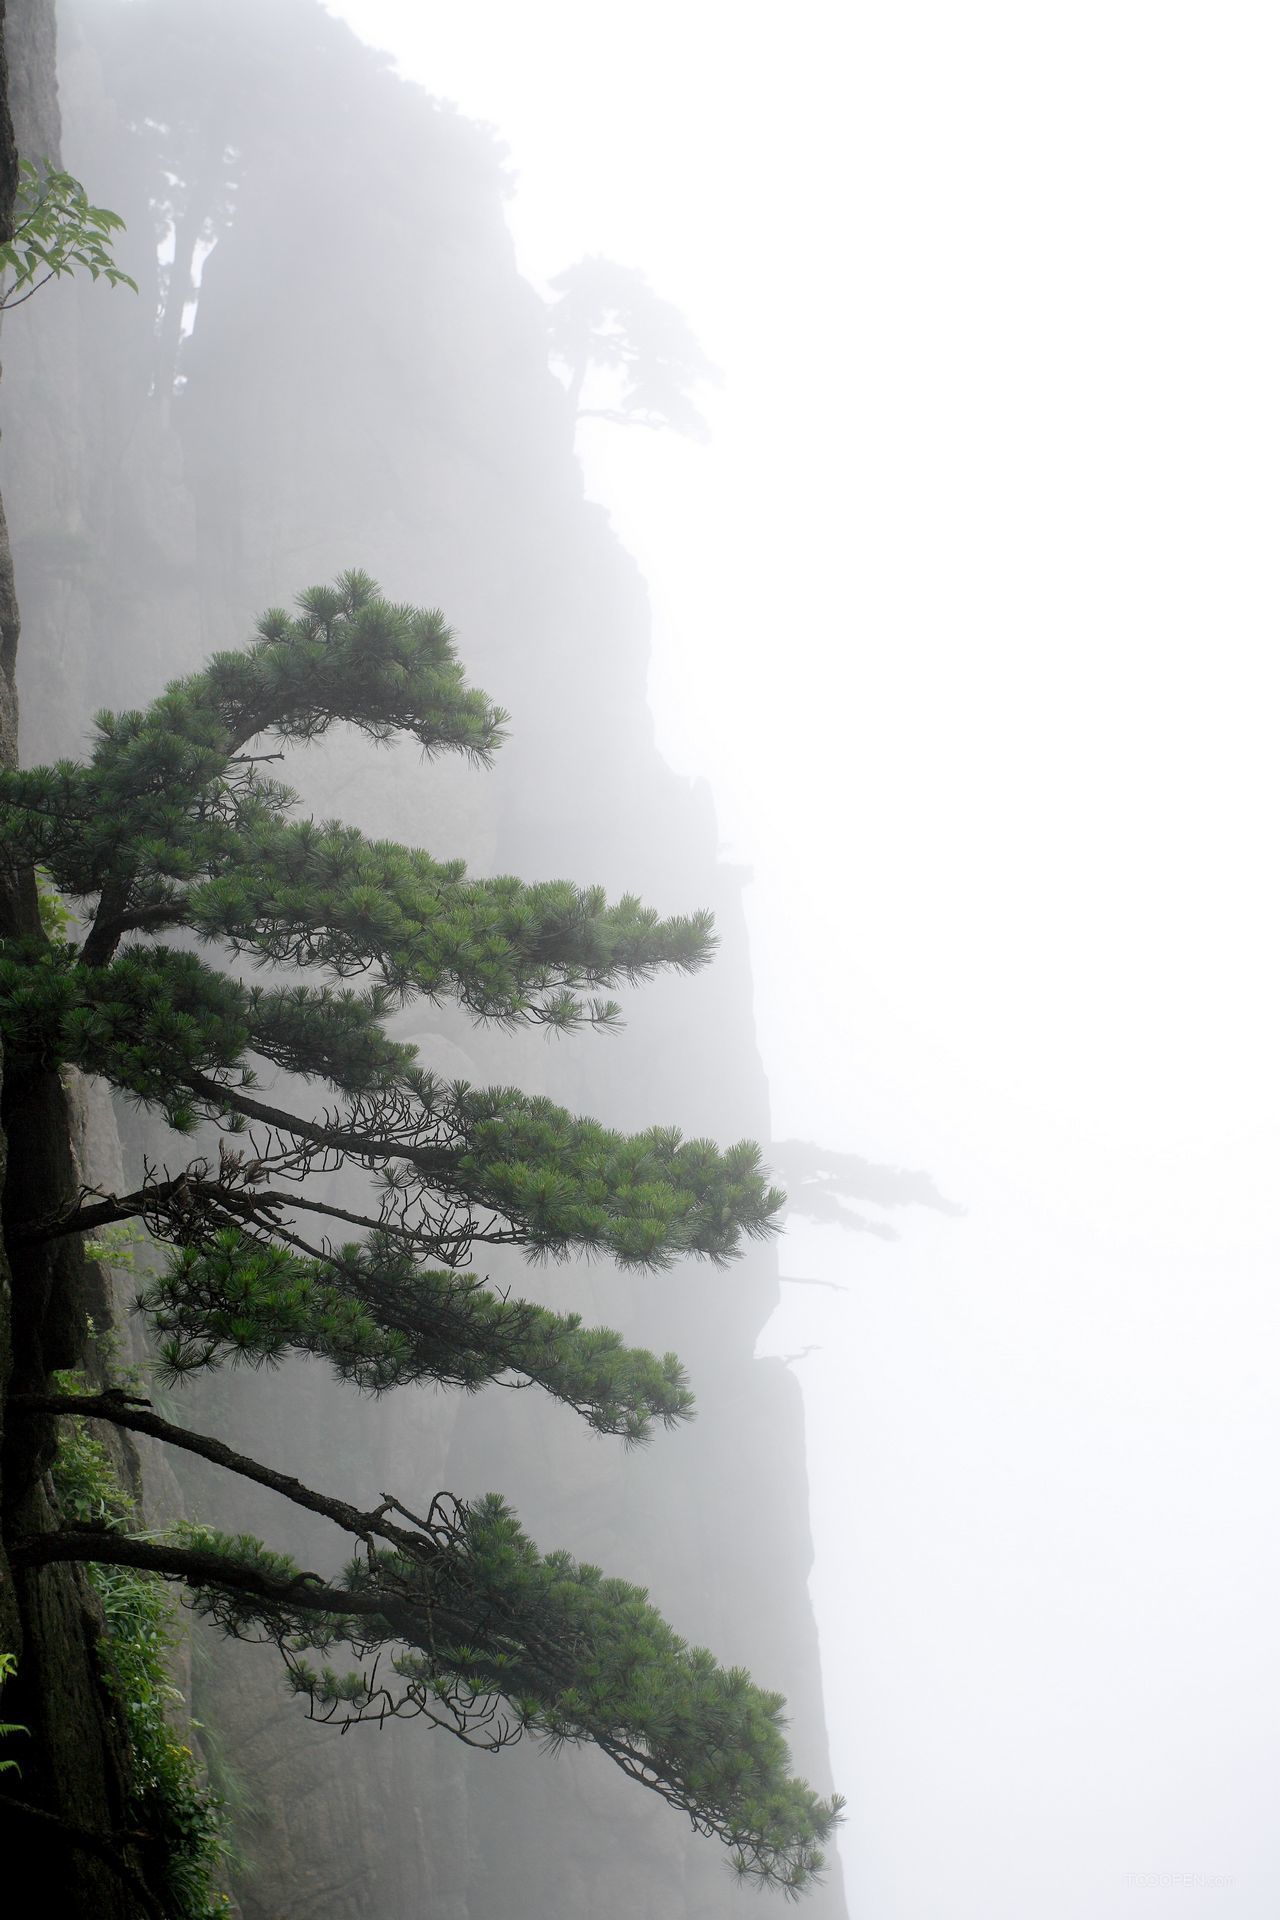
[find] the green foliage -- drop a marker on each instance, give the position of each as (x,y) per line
(56,917)
(489,1637)
(381,1321)
(106,1346)
(171,825)
(146,1022)
(116,1247)
(166,1798)
(8,1667)
(55,232)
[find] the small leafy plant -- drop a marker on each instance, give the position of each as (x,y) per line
(57,920)
(56,231)
(117,1247)
(168,1800)
(8,1667)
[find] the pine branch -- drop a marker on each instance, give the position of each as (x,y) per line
(107,933)
(102,939)
(579,1658)
(175,1201)
(519,1158)
(125,1410)
(366,1148)
(197,1567)
(106,1213)
(171,822)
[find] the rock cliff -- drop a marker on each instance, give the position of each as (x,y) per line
(334,363)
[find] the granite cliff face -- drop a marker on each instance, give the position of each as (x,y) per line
(364,383)
(74,1777)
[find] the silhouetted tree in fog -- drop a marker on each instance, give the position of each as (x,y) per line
(821,1181)
(608,317)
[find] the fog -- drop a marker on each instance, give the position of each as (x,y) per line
(963,657)
(967,615)
(263,413)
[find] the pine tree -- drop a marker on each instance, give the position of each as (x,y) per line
(173,826)
(607,317)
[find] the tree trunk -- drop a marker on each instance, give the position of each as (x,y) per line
(74,1775)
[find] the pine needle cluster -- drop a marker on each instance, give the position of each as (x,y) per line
(183,855)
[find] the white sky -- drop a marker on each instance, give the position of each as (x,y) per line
(969,615)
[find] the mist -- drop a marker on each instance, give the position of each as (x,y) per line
(942,667)
(966,615)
